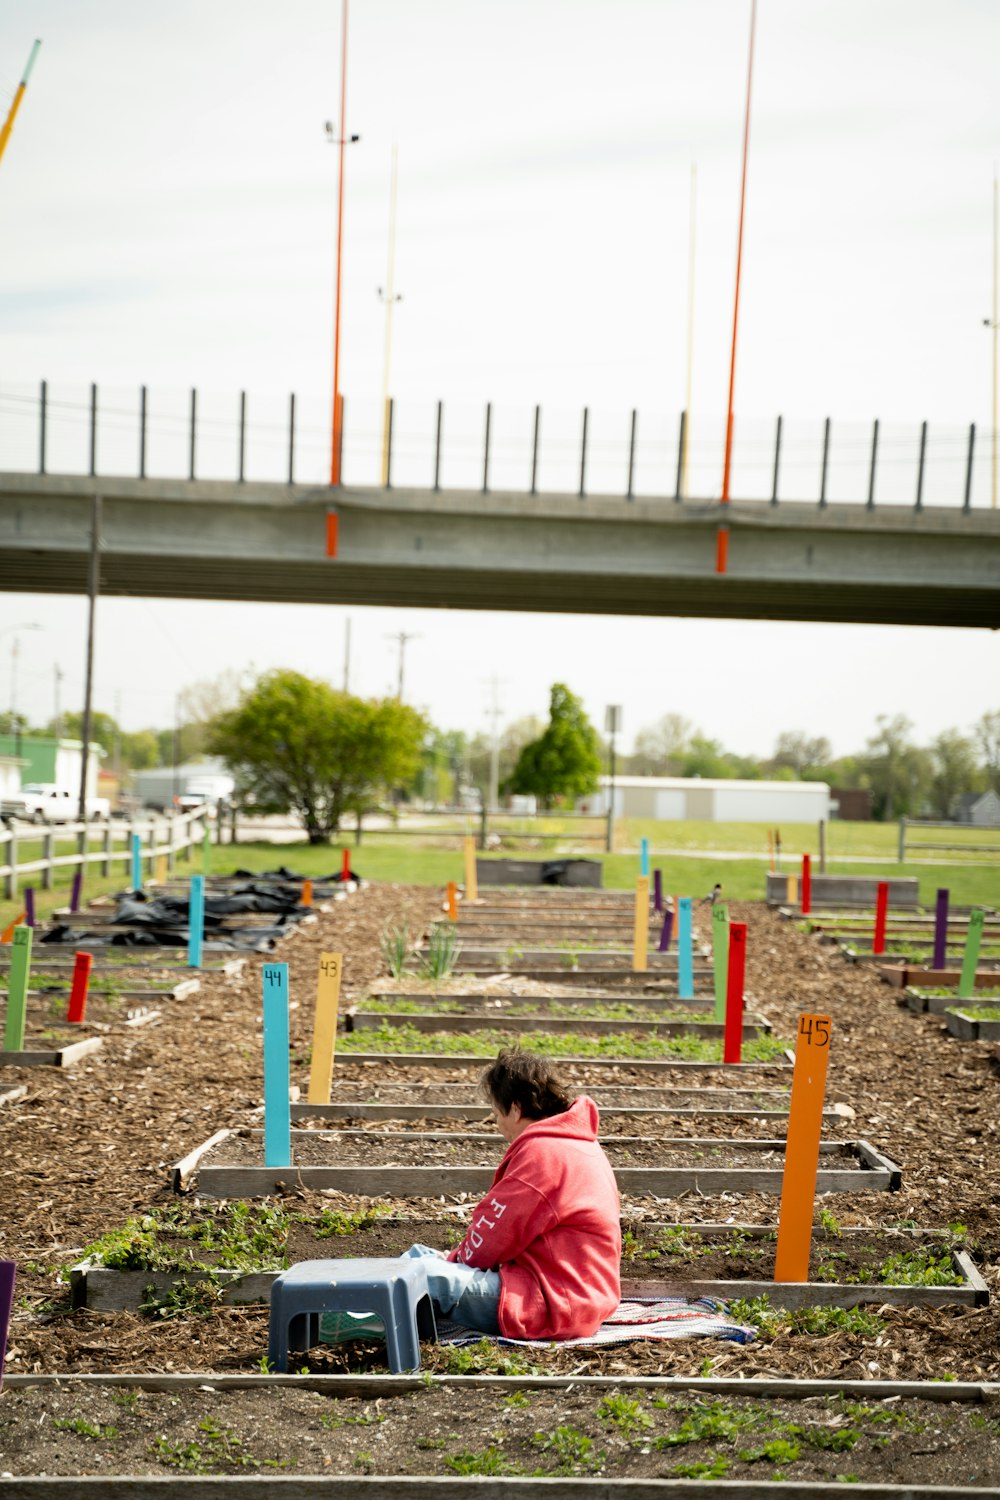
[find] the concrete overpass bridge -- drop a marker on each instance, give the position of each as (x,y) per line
(470,549)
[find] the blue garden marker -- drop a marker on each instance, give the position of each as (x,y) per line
(941,930)
(277,1109)
(196,921)
(136,862)
(685,951)
(644,857)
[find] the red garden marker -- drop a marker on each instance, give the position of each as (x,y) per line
(332,538)
(806,885)
(78,991)
(345,864)
(732,1041)
(881,910)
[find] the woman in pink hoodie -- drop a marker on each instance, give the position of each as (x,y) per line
(541,1257)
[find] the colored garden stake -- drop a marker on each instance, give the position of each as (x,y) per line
(967,982)
(720,957)
(805,1117)
(6,1306)
(644,857)
(807,885)
(306,899)
(77,1008)
(29,906)
(770,850)
(277,1109)
(17,990)
(881,912)
(136,862)
(452,900)
(471,880)
(732,1039)
(941,930)
(685,950)
(196,921)
(345,864)
(76,892)
(640,933)
(161,869)
(657,890)
(666,930)
(9,931)
(791,890)
(325,1027)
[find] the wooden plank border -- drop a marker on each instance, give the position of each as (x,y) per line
(10,1093)
(637,1064)
(58,1057)
(356,1019)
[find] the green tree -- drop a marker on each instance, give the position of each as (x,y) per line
(297,745)
(953,758)
(659,746)
(897,771)
(809,757)
(988,735)
(565,760)
(705,757)
(512,741)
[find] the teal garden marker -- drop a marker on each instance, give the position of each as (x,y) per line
(136,862)
(685,953)
(644,857)
(720,957)
(277,1109)
(17,990)
(967,982)
(196,921)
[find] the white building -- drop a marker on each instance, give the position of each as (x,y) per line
(677,798)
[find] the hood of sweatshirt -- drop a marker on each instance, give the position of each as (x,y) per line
(578,1123)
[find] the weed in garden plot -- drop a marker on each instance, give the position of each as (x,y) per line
(407,1039)
(218,1449)
(238,1236)
(83,1428)
(759,1312)
(489,1462)
(716,1469)
(394,945)
(624,1413)
(336,1221)
(366,1418)
(483,1357)
(185,1299)
(573,1450)
(441,953)
(918,1267)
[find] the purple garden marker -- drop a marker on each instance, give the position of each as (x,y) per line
(74,900)
(6,1303)
(941,930)
(657,890)
(665,931)
(29,905)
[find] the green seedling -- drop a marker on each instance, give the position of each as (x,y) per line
(490,1461)
(83,1428)
(716,1469)
(625,1413)
(573,1450)
(441,953)
(395,944)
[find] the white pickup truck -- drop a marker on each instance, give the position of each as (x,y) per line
(45,802)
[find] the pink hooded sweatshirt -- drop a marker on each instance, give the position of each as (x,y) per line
(550,1224)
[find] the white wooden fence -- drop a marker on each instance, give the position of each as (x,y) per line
(102,844)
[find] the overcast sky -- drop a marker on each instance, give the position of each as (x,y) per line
(167,217)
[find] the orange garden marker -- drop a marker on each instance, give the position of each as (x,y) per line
(77,1008)
(306,898)
(452,901)
(331,533)
(325,1027)
(471,882)
(805,1119)
(732,1039)
(770,850)
(881,911)
(806,885)
(640,940)
(161,869)
(8,933)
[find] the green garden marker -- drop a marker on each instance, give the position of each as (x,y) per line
(720,957)
(967,983)
(17,990)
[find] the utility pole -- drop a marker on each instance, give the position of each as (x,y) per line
(15,723)
(494,712)
(690,331)
(340,140)
(389,296)
(402,636)
(347,655)
(57,670)
(612,726)
(93,589)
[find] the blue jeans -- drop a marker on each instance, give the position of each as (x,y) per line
(462,1293)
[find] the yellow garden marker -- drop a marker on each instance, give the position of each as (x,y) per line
(805,1120)
(452,901)
(161,869)
(640,942)
(792,889)
(471,885)
(325,1027)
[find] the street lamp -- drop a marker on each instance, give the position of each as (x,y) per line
(14,652)
(341,141)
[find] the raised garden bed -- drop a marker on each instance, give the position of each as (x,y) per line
(231,1164)
(974,1025)
(404,1438)
(558,1045)
(141,1264)
(939,1000)
(443,1019)
(583,1067)
(51,1057)
(609,1003)
(905,976)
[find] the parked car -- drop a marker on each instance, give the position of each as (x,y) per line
(45,802)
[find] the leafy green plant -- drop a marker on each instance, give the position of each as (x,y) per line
(339,1222)
(718,1467)
(489,1461)
(184,1299)
(84,1428)
(441,952)
(573,1449)
(829,1222)
(625,1413)
(395,944)
(777,1451)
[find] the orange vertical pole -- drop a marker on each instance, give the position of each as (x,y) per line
(805,1119)
(306,898)
(722,540)
(452,901)
(337,407)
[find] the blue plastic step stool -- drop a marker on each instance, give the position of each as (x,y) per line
(395,1290)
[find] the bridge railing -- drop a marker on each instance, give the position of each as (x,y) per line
(161,433)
